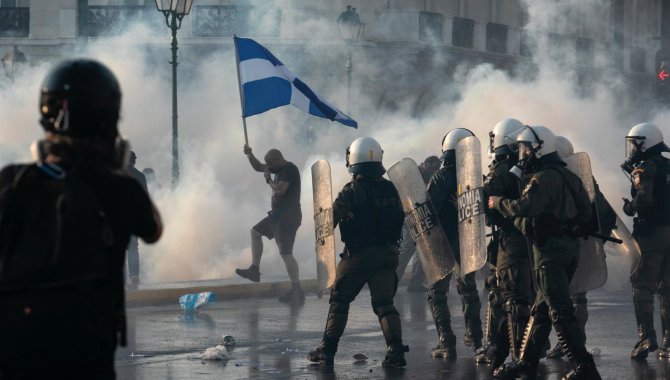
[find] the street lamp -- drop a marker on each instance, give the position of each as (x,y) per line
(174,11)
(11,61)
(351,27)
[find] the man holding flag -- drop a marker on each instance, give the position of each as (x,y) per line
(266,83)
(281,223)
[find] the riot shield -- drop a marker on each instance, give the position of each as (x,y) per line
(323,226)
(471,205)
(591,270)
(629,246)
(422,221)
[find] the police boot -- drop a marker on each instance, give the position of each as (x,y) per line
(473,333)
(570,338)
(325,353)
(647,340)
(556,352)
(517,319)
(502,350)
(484,354)
(664,350)
(389,320)
(446,347)
(525,366)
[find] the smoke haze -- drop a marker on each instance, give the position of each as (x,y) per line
(208,218)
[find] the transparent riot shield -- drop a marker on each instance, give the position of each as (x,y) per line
(471,205)
(323,226)
(422,221)
(591,270)
(629,250)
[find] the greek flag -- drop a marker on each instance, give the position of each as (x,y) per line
(265,83)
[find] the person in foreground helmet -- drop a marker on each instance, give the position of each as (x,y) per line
(650,189)
(370,215)
(442,192)
(282,222)
(67,219)
(551,209)
(509,255)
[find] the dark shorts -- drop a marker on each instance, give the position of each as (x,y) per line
(283,230)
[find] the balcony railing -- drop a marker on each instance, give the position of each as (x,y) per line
(14,22)
(226,20)
(102,20)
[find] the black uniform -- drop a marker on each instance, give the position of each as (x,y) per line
(551,205)
(513,276)
(651,202)
(442,192)
(70,314)
(370,215)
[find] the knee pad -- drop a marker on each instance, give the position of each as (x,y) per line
(384,310)
(471,298)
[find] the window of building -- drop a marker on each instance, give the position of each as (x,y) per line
(638,60)
(462,34)
(8,3)
(431,26)
(496,38)
(584,50)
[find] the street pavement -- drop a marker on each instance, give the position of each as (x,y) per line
(273,340)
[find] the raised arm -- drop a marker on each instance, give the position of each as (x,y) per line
(255,163)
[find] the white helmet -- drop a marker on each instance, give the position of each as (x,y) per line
(564,147)
(498,136)
(449,143)
(642,138)
(364,156)
(540,140)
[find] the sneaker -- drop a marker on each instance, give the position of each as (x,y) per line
(395,356)
(251,274)
(294,297)
(321,356)
(416,289)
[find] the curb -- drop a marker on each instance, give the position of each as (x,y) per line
(170,296)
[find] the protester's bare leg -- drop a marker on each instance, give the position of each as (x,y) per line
(256,247)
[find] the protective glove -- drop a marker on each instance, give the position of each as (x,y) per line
(628,208)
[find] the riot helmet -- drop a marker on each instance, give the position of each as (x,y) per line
(564,147)
(449,144)
(80,99)
(534,143)
(364,157)
(642,141)
(499,142)
(80,102)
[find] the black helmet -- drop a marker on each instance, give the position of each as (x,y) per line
(81,99)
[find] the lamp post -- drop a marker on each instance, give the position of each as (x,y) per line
(351,27)
(174,12)
(11,61)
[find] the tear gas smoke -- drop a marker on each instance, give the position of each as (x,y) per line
(208,218)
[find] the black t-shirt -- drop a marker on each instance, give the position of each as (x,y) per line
(290,201)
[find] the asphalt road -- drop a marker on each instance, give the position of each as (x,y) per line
(273,340)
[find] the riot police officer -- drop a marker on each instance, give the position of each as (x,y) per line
(442,192)
(552,210)
(510,253)
(67,219)
(370,215)
(650,175)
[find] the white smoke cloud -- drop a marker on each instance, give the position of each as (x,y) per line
(220,197)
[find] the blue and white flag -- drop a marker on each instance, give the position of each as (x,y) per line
(265,83)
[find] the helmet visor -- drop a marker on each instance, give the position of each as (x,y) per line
(525,150)
(491,148)
(634,146)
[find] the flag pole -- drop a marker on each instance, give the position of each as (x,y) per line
(239,84)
